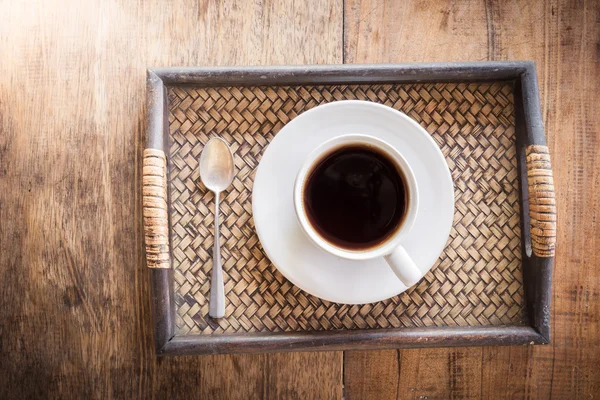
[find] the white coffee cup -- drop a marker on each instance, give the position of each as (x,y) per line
(391,248)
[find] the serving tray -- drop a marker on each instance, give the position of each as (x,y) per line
(490,286)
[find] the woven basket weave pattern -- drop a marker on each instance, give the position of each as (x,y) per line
(477,280)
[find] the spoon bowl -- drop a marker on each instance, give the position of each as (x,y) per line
(216,165)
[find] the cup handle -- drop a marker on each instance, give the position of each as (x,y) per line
(403,266)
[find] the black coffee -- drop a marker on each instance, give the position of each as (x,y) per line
(355,197)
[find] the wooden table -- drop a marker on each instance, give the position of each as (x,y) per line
(74,292)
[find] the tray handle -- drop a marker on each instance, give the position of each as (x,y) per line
(542,201)
(156,220)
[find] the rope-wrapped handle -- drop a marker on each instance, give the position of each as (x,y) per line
(156,220)
(542,201)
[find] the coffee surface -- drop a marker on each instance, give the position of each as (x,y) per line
(355,197)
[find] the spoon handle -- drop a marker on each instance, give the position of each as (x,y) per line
(217,289)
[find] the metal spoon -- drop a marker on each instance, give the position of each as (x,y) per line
(216,172)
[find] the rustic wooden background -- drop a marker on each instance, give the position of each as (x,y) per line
(74,294)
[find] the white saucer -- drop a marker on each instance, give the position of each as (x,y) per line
(297,258)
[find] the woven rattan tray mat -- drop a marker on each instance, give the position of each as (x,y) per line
(477,280)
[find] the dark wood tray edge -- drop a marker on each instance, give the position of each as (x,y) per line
(352,339)
(530,137)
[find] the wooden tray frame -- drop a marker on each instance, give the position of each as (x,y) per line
(537,204)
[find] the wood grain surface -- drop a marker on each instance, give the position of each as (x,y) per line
(74,290)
